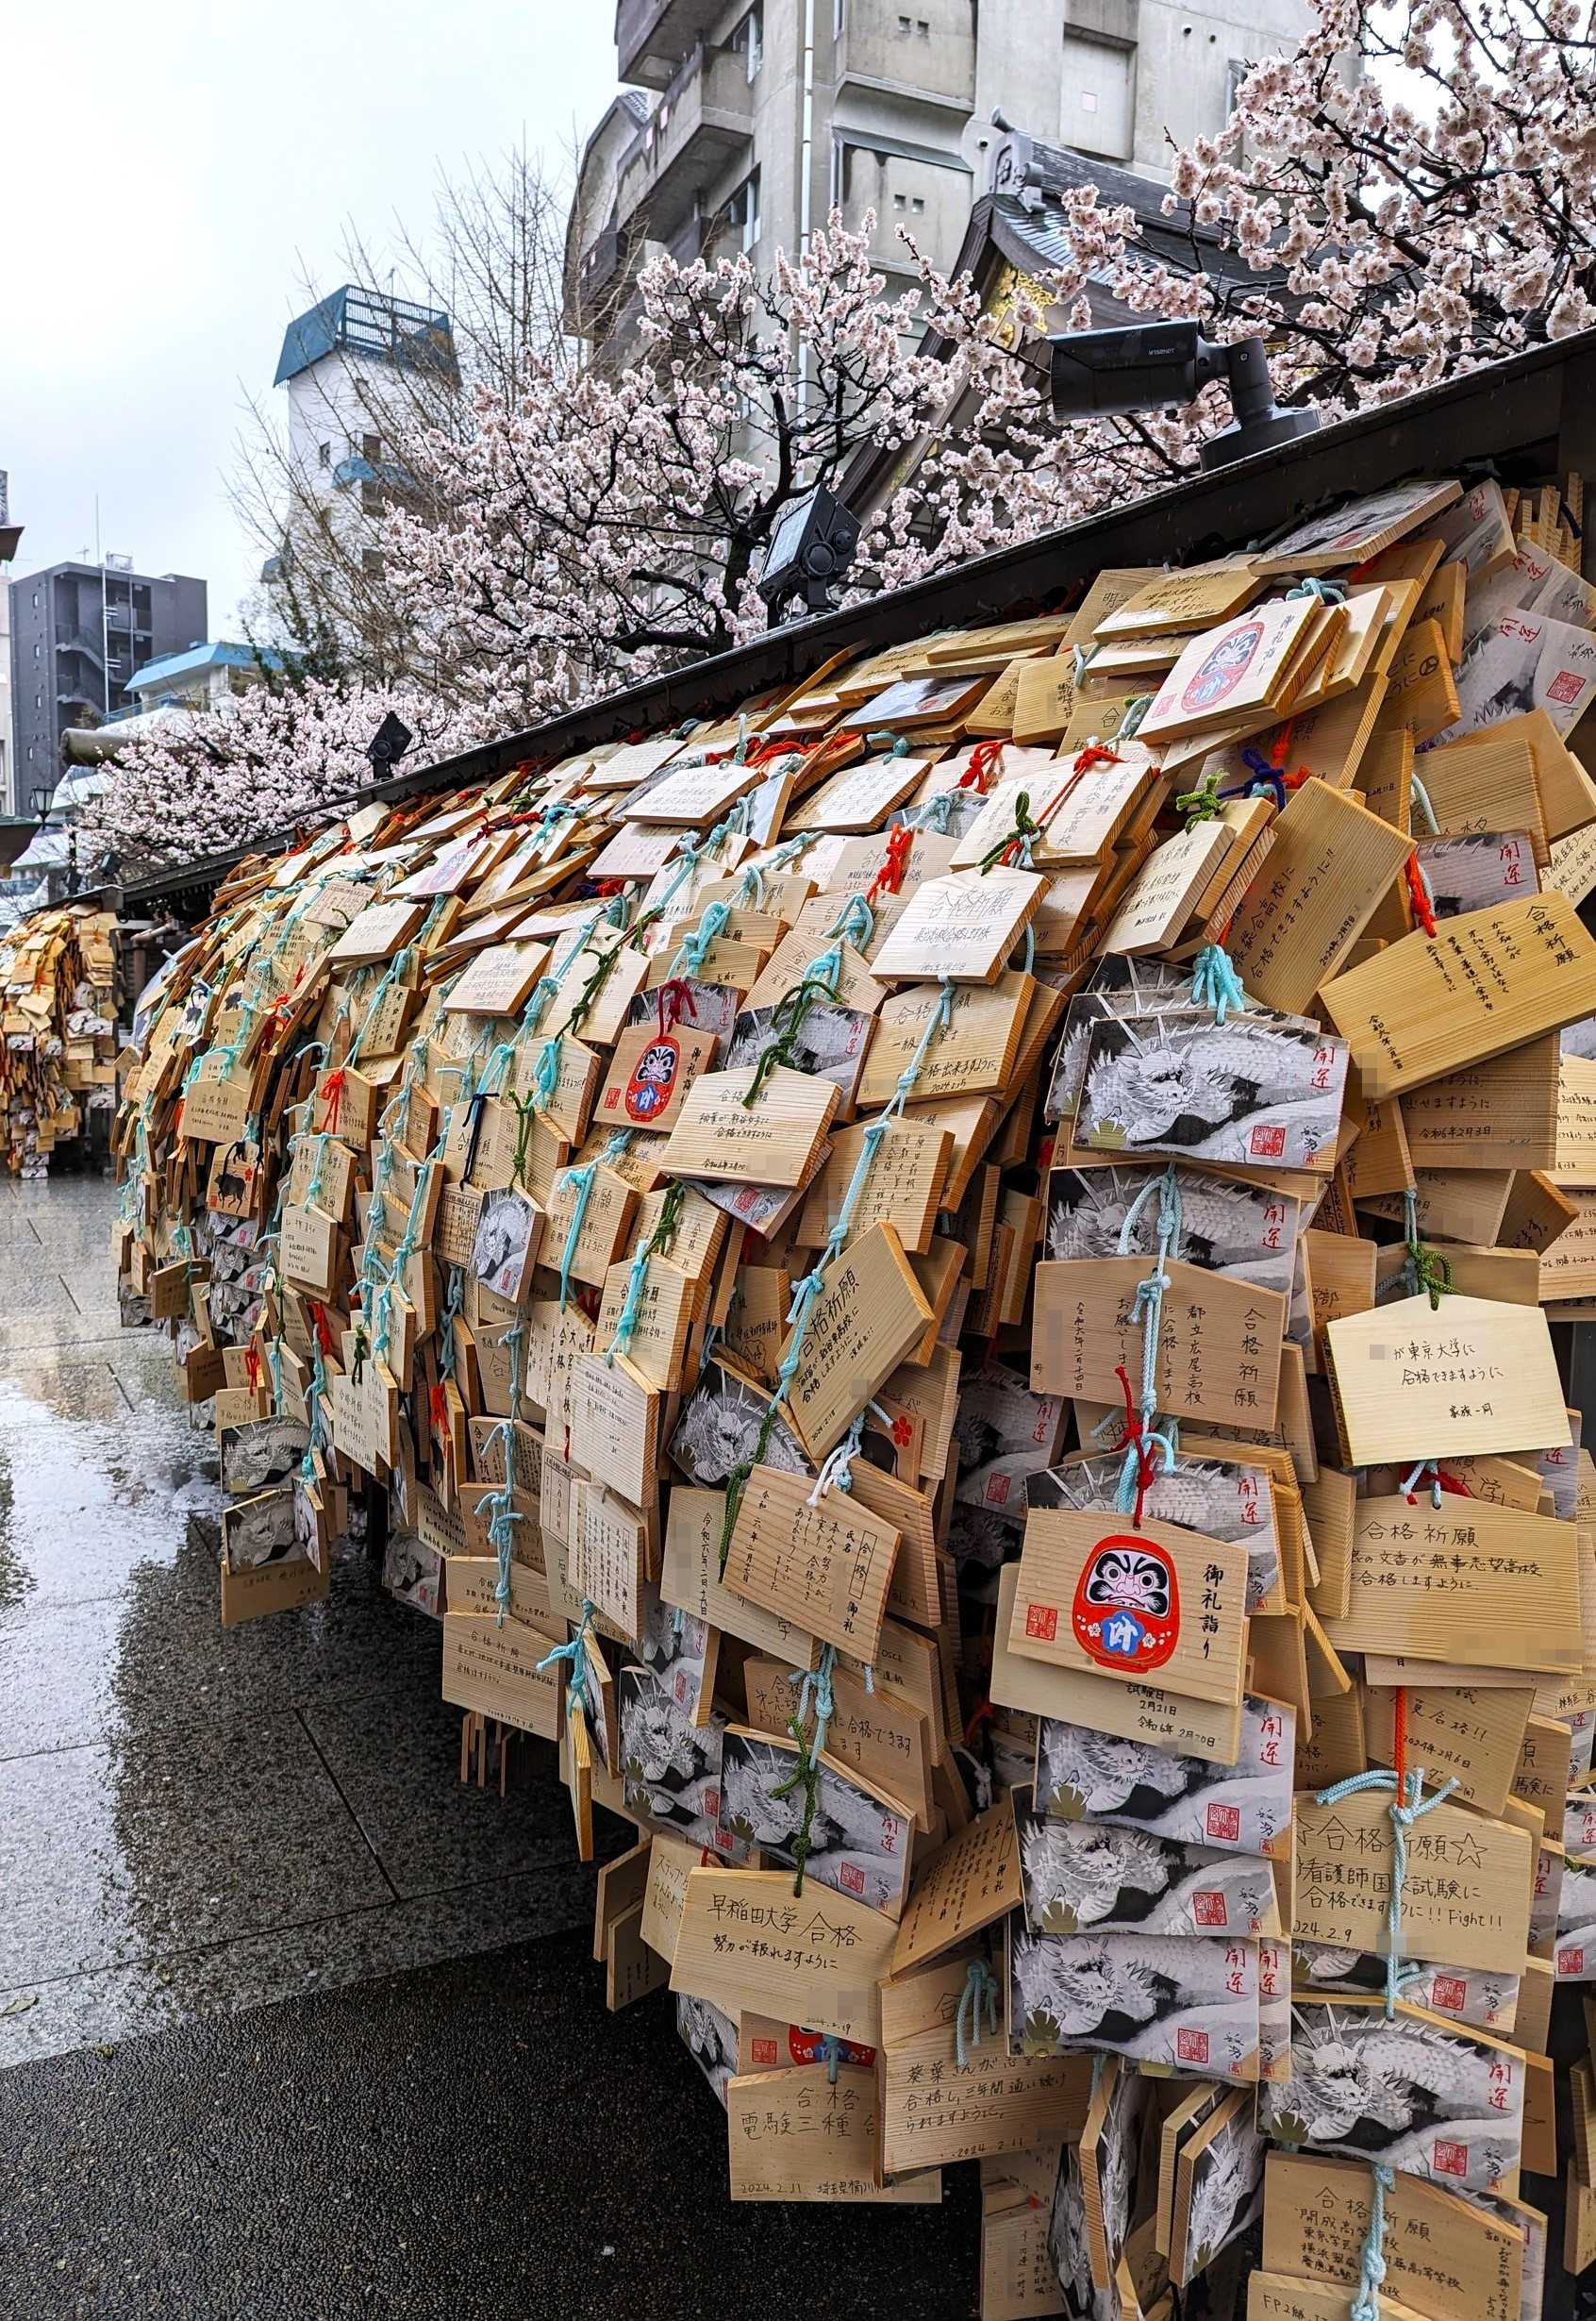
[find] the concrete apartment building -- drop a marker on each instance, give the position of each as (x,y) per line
(742,126)
(9,535)
(78,632)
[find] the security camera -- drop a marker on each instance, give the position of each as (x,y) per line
(1163,366)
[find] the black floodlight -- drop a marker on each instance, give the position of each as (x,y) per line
(811,547)
(387,745)
(1162,366)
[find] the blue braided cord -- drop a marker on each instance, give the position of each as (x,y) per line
(872,1135)
(750,887)
(1403,1817)
(626,1320)
(825,968)
(854,923)
(1327,592)
(581,1181)
(935,815)
(694,949)
(1422,799)
(545,1081)
(1147,1309)
(980,1996)
(1130,724)
(1372,2268)
(572,1655)
(814,1686)
(1215,982)
(618,1141)
(829,2052)
(897,745)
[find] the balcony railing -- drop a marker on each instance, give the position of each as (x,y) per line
(704,120)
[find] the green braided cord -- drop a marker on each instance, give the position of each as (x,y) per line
(1202,804)
(526,1112)
(1022,834)
(787,1022)
(807,1774)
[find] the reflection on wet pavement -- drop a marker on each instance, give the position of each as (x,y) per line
(193,1821)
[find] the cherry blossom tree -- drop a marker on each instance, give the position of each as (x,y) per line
(590,527)
(266,761)
(1409,195)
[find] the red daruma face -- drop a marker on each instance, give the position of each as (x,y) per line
(1127,1613)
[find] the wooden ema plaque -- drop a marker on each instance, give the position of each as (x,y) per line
(802,2134)
(1218,1344)
(869,1314)
(940,2110)
(964,926)
(1128,1606)
(747,1941)
(1467,1582)
(493,1671)
(1487,981)
(1329,865)
(691,1580)
(1451,2258)
(904,1188)
(1470,1377)
(774,1140)
(1466,1896)
(971,1882)
(826,1569)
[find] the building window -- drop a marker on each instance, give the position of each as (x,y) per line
(371,562)
(1236,72)
(370,499)
(743,210)
(371,448)
(324,454)
(748,41)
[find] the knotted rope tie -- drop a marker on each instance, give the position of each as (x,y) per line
(1422,799)
(1420,894)
(694,949)
(526,1114)
(888,878)
(812,1683)
(1371,2272)
(1147,1309)
(854,923)
(1215,982)
(581,1183)
(1426,1269)
(829,2052)
(985,759)
(980,1996)
(1020,841)
(332,1096)
(837,1467)
(935,815)
(1130,724)
(574,1655)
(1327,592)
(1409,1805)
(1202,804)
(787,1022)
(895,745)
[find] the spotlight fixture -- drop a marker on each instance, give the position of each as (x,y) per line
(388,744)
(811,547)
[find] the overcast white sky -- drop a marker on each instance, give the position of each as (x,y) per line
(173,174)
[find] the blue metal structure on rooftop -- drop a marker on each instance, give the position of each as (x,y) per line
(366,322)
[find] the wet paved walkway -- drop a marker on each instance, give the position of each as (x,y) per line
(281,2047)
(194,1820)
